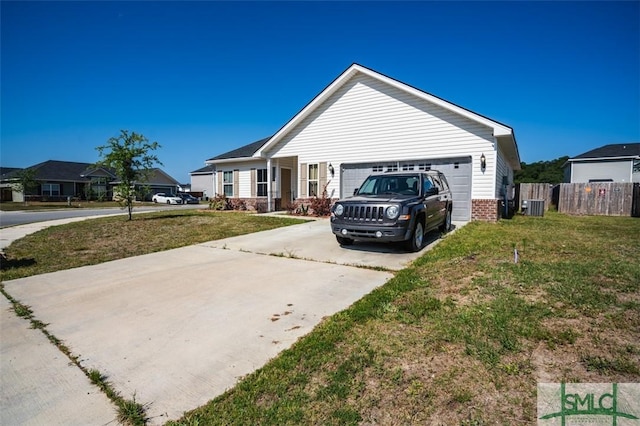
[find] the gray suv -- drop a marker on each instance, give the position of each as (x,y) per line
(399,206)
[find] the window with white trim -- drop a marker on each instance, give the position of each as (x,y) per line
(424,166)
(227,183)
(313,180)
(51,189)
(378,169)
(261,183)
(407,167)
(392,168)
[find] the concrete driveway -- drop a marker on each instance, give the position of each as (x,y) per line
(178,328)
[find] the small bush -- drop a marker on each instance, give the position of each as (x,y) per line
(321,206)
(261,207)
(219,202)
(237,204)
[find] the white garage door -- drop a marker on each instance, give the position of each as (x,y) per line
(457,171)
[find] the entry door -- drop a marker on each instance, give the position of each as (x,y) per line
(285,186)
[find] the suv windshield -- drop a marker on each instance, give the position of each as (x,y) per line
(392,184)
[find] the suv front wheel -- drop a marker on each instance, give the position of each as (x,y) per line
(417,238)
(446,224)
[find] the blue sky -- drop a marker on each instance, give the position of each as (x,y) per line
(202,78)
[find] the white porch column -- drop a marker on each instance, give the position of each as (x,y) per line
(269,194)
(214,183)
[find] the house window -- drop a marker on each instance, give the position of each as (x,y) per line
(636,166)
(407,167)
(262,183)
(99,186)
(51,189)
(424,166)
(392,168)
(227,183)
(313,180)
(378,169)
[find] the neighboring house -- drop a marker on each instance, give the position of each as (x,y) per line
(159,181)
(202,181)
(58,180)
(609,163)
(5,188)
(366,122)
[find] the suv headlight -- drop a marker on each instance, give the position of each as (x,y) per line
(392,212)
(339,210)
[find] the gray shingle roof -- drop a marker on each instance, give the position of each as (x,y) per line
(243,151)
(8,171)
(613,150)
(204,170)
(57,171)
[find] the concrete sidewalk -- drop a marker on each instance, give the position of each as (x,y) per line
(178,328)
(39,384)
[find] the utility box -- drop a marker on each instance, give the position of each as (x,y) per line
(533,207)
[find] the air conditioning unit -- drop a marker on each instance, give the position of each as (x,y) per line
(533,207)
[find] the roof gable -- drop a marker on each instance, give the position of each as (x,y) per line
(621,150)
(98,171)
(159,176)
(503,133)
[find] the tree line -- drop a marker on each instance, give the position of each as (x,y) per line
(541,171)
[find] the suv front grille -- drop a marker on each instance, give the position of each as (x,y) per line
(363,213)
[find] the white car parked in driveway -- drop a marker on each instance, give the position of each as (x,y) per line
(161,197)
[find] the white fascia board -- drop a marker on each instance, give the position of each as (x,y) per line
(232,160)
(628,157)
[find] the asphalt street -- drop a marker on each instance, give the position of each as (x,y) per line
(12,218)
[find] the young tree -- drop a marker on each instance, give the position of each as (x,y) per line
(130,157)
(25,180)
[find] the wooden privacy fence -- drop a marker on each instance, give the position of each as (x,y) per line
(536,191)
(601,198)
(596,198)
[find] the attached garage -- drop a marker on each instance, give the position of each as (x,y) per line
(457,170)
(366,122)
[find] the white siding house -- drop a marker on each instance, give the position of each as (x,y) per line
(365,121)
(609,163)
(202,181)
